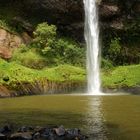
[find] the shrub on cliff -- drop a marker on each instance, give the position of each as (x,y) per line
(57,50)
(67,51)
(114,49)
(44,35)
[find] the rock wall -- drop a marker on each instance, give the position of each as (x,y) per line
(68,15)
(9,42)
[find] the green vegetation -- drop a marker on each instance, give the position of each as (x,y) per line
(15,73)
(59,58)
(123,76)
(11,73)
(48,49)
(65,73)
(29,57)
(114,49)
(57,50)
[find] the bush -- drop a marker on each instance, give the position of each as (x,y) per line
(44,35)
(106,64)
(29,58)
(70,51)
(57,50)
(115,49)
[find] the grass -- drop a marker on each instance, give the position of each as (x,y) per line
(65,73)
(29,58)
(123,76)
(18,73)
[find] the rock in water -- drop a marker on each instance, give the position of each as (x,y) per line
(41,133)
(21,136)
(60,131)
(2,137)
(6,129)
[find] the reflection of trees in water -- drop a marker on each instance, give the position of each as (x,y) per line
(95,122)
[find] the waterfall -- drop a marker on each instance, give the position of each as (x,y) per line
(92,41)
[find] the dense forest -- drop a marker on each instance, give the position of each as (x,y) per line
(42,46)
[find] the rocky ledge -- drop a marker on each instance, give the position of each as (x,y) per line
(40,133)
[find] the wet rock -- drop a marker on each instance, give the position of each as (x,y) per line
(39,129)
(60,131)
(46,133)
(2,137)
(21,136)
(74,132)
(41,133)
(6,129)
(25,129)
(36,135)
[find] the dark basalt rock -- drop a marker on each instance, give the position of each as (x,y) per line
(41,133)
(68,15)
(2,137)
(21,136)
(25,129)
(60,131)
(6,129)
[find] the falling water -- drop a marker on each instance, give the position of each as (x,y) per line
(92,40)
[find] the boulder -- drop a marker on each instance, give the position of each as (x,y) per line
(6,129)
(60,131)
(36,135)
(21,136)
(2,137)
(8,42)
(48,133)
(25,129)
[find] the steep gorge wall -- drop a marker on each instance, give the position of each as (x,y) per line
(68,15)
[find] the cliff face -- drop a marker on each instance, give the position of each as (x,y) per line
(117,18)
(9,42)
(68,15)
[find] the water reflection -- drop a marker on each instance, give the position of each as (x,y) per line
(95,119)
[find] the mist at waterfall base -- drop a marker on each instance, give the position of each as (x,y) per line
(92,41)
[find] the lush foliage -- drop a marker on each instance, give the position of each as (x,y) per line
(44,35)
(114,49)
(106,64)
(29,57)
(123,76)
(57,50)
(11,73)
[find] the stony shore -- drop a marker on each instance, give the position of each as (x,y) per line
(40,133)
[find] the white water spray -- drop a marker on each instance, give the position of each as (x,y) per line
(92,40)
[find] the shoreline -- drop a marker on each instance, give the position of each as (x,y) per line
(55,88)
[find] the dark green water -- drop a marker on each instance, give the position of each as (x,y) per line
(101,117)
